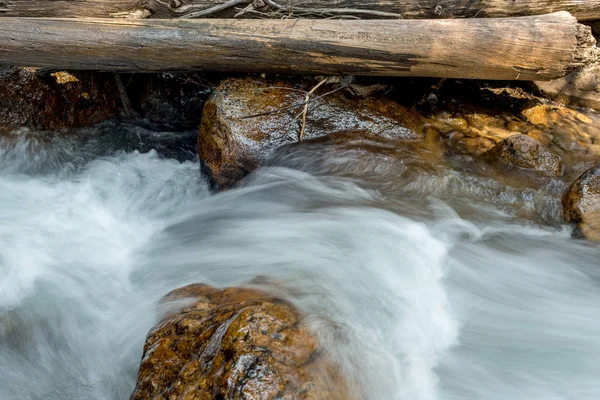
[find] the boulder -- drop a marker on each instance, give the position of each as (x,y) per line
(235,343)
(581,204)
(520,152)
(244,120)
(55,101)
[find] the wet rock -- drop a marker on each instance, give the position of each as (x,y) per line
(581,88)
(581,204)
(234,343)
(520,152)
(362,157)
(246,119)
(169,100)
(548,115)
(55,101)
(573,135)
(568,133)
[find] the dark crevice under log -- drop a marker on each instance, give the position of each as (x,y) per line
(526,48)
(423,9)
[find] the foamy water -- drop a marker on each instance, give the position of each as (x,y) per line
(413,299)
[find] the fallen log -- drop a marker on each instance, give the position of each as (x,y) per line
(525,48)
(408,9)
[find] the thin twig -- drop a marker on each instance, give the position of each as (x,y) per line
(305,111)
(346,11)
(293,105)
(127,107)
(291,10)
(215,9)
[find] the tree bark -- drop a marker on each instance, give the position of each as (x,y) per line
(525,48)
(409,9)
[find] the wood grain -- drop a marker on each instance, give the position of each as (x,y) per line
(423,9)
(526,48)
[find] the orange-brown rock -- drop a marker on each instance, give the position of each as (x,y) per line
(521,152)
(59,100)
(472,130)
(581,204)
(235,343)
(246,119)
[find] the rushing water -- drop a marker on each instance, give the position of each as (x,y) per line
(431,297)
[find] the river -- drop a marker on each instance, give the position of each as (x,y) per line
(421,294)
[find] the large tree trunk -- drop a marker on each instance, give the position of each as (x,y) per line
(526,48)
(582,9)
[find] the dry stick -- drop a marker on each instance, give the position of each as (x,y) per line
(127,107)
(216,9)
(293,105)
(305,111)
(292,9)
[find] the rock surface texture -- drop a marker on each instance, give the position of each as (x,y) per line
(246,119)
(521,152)
(235,343)
(55,101)
(581,204)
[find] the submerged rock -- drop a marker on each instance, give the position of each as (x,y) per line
(59,100)
(246,119)
(235,343)
(581,204)
(572,135)
(520,152)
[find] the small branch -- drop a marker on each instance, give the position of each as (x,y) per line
(254,5)
(305,111)
(293,105)
(129,112)
(216,9)
(341,11)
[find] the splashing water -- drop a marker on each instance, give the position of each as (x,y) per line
(414,300)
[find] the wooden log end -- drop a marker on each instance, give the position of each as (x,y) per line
(586,51)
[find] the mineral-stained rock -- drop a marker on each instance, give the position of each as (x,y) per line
(55,101)
(520,152)
(235,343)
(246,119)
(581,204)
(568,133)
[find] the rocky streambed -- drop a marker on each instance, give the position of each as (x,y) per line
(416,223)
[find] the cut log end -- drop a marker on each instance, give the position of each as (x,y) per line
(586,51)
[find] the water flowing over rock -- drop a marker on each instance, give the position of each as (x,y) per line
(520,152)
(235,343)
(581,204)
(245,119)
(55,101)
